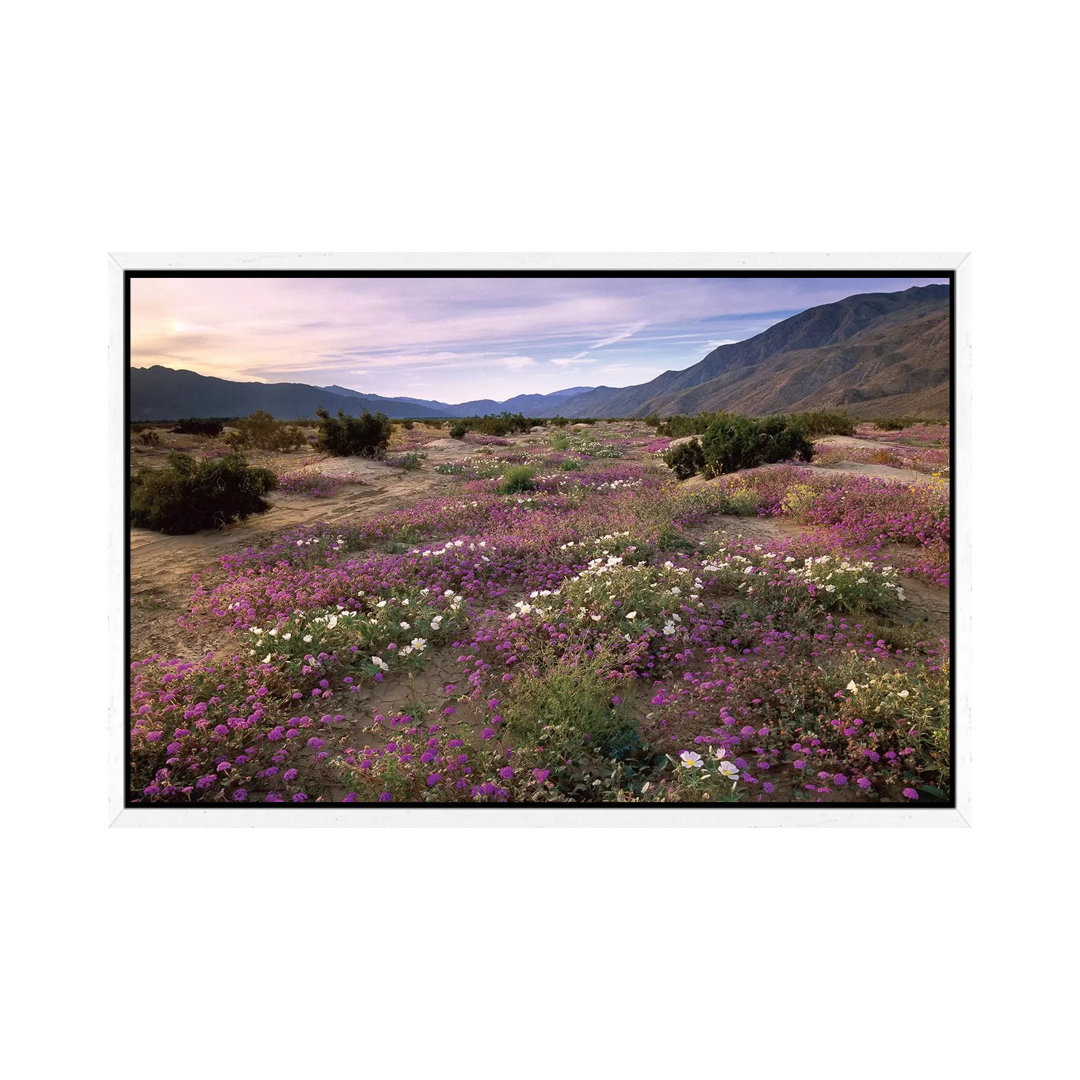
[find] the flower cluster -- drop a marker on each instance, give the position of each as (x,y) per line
(314,484)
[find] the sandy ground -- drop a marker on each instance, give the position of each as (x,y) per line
(162,566)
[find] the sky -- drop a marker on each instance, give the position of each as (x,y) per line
(461,339)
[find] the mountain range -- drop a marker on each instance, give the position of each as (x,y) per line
(874,354)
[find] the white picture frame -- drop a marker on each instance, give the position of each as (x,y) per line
(121,816)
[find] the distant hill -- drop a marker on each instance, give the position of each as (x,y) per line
(529,404)
(161,393)
(875,354)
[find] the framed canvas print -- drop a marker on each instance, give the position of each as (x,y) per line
(540,539)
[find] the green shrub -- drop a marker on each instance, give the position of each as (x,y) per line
(354,436)
(815,423)
(261,431)
(458,430)
(571,465)
(677,427)
(824,422)
(150,437)
(407,425)
(685,460)
(737,442)
(504,424)
(189,495)
(516,478)
(559,421)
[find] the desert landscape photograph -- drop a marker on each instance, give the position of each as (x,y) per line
(545,539)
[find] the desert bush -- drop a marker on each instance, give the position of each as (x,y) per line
(558,421)
(516,478)
(685,460)
(407,425)
(150,437)
(571,465)
(824,422)
(190,426)
(262,432)
(737,442)
(678,427)
(347,436)
(189,495)
(458,430)
(504,424)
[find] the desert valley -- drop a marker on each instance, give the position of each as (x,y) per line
(728,584)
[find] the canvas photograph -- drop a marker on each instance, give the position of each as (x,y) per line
(543,539)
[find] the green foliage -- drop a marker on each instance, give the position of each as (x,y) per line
(814,424)
(188,495)
(736,442)
(558,421)
(678,427)
(516,478)
(262,432)
(150,437)
(407,425)
(189,426)
(571,465)
(685,460)
(569,709)
(504,424)
(348,436)
(458,430)
(897,423)
(824,422)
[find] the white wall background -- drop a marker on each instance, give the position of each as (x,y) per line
(556,127)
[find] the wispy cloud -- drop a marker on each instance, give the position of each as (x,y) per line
(458,338)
